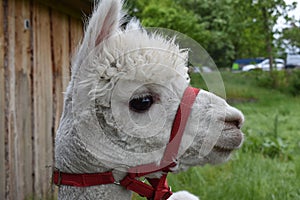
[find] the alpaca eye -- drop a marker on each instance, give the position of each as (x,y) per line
(141,104)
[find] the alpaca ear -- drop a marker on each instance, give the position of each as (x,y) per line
(104,21)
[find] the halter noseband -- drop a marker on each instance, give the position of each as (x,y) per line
(158,188)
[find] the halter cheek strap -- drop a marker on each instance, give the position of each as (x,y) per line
(158,188)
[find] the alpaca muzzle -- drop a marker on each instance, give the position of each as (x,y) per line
(158,188)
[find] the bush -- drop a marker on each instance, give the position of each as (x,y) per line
(284,81)
(269,143)
(294,82)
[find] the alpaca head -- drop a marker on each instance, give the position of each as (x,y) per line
(124,94)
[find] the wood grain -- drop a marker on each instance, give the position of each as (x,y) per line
(2,105)
(43,106)
(35,47)
(10,113)
(74,8)
(23,101)
(76,34)
(61,61)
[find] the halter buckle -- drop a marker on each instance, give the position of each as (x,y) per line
(59,177)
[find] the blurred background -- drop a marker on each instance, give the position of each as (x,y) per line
(228,29)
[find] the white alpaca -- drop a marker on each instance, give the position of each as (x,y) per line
(120,105)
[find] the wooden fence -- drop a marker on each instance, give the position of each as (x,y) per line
(36,42)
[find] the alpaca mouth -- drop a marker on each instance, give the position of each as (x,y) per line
(223,149)
(231,138)
(227,144)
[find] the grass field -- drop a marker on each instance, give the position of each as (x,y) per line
(268,164)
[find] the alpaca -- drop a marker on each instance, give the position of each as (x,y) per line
(119,108)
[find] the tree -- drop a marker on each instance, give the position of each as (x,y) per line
(227,29)
(168,14)
(214,18)
(291,37)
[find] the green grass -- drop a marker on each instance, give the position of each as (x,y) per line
(268,165)
(247,176)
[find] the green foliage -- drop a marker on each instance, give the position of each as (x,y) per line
(168,14)
(216,17)
(263,79)
(269,143)
(294,83)
(227,29)
(292,35)
(285,81)
(246,176)
(175,18)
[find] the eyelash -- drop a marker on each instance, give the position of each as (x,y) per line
(140,96)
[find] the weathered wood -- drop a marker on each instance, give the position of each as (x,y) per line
(75,8)
(2,105)
(42,75)
(23,107)
(35,47)
(76,34)
(61,61)
(11,115)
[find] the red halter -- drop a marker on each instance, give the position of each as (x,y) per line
(158,188)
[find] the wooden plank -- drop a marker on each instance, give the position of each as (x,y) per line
(75,8)
(42,91)
(61,61)
(11,117)
(23,105)
(2,105)
(17,151)
(76,34)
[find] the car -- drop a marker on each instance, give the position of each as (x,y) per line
(278,64)
(292,61)
(240,63)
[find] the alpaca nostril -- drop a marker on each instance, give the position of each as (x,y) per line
(234,117)
(237,122)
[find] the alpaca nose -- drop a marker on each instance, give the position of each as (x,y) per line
(234,117)
(234,122)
